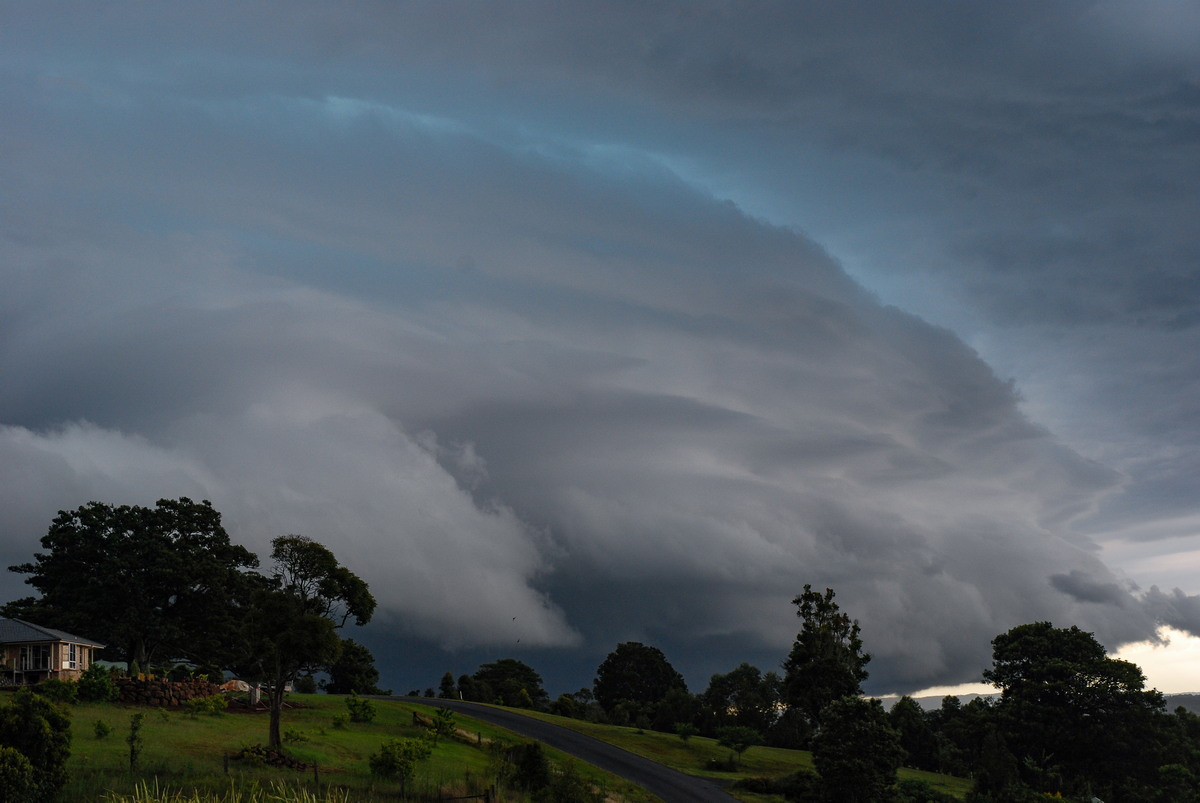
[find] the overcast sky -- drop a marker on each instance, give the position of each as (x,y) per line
(572,323)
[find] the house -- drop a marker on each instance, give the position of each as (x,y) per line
(31,653)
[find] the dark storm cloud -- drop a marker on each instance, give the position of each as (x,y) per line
(452,292)
(1085,589)
(1177,609)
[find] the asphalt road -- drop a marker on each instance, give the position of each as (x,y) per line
(670,785)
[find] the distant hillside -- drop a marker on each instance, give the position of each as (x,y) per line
(1189,701)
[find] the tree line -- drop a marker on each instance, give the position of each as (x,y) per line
(165,584)
(1070,721)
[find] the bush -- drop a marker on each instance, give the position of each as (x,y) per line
(41,731)
(802,786)
(60,691)
(96,685)
(210,672)
(102,729)
(339,722)
(360,710)
(530,769)
(213,706)
(397,758)
(910,790)
(568,786)
(305,684)
(16,777)
(294,736)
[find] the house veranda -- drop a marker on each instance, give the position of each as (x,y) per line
(31,653)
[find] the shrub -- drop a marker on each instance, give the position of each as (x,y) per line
(568,786)
(685,731)
(60,691)
(96,685)
(16,777)
(802,786)
(339,722)
(305,684)
(738,738)
(360,710)
(397,758)
(212,706)
(911,790)
(134,740)
(530,767)
(294,737)
(41,731)
(102,729)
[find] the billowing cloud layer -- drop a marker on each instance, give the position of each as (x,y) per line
(440,295)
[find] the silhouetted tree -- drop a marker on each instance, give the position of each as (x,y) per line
(856,752)
(1076,719)
(162,582)
(917,737)
(511,682)
(295,616)
(354,671)
(743,697)
(827,661)
(637,675)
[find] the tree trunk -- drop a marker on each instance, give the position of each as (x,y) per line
(274,740)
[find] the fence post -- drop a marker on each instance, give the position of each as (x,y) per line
(317,776)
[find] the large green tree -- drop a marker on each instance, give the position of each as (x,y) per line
(637,676)
(1076,719)
(509,682)
(856,752)
(827,661)
(744,697)
(156,583)
(294,617)
(353,671)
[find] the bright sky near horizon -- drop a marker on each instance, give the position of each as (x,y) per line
(573,323)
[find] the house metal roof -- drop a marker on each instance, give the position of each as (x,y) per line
(17,631)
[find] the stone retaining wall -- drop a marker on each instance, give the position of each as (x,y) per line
(163,693)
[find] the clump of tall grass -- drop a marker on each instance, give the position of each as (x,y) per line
(275,793)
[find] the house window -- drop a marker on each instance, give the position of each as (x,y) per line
(72,657)
(34,657)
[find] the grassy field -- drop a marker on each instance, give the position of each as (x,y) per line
(183,753)
(191,754)
(695,756)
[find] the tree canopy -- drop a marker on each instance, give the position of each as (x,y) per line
(1075,718)
(294,617)
(152,583)
(353,671)
(856,752)
(508,682)
(827,661)
(744,697)
(635,673)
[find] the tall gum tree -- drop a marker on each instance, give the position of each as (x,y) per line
(294,617)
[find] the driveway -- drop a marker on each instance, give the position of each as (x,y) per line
(670,785)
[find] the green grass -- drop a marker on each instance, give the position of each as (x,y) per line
(188,754)
(757,762)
